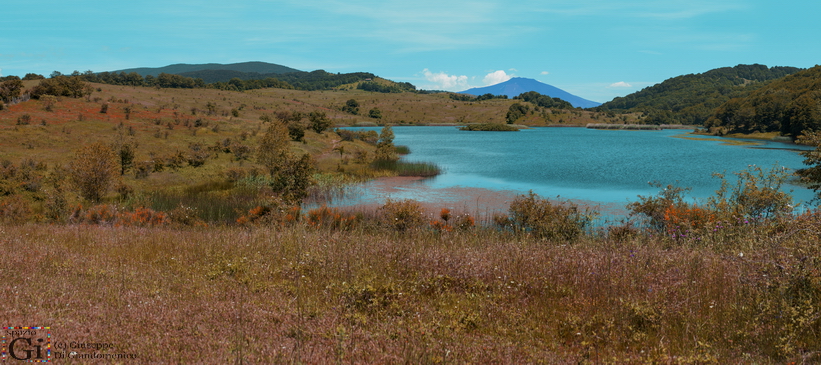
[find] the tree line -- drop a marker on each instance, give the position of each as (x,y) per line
(691,99)
(790,106)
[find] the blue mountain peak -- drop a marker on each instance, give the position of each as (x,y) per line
(518,85)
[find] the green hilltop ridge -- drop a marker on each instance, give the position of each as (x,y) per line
(243,67)
(691,99)
(789,106)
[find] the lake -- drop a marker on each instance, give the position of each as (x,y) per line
(606,167)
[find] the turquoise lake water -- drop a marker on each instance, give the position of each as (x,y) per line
(601,166)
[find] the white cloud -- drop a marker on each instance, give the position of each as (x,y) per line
(544,73)
(513,70)
(496,77)
(444,81)
(620,84)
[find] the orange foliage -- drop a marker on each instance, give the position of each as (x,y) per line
(109,214)
(143,217)
(688,217)
(330,217)
(445,214)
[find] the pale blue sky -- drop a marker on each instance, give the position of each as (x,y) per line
(594,49)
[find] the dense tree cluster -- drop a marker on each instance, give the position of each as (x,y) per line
(10,89)
(240,81)
(399,87)
(468,97)
(691,99)
(351,106)
(61,85)
(791,106)
(516,111)
(544,101)
(321,80)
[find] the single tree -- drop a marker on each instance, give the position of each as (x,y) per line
(93,170)
(272,151)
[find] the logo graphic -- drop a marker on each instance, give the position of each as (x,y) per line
(29,344)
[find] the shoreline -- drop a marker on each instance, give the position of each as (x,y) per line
(481,203)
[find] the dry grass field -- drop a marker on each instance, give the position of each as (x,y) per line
(202,263)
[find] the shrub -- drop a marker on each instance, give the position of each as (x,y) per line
(274,211)
(331,218)
(143,217)
(14,209)
(652,208)
(544,219)
(493,127)
(401,215)
(757,194)
(319,121)
(93,170)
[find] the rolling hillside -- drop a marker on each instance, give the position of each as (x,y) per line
(690,99)
(789,106)
(243,67)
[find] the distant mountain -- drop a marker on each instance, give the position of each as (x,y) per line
(518,85)
(690,99)
(244,67)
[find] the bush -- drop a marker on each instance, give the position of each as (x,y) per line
(492,127)
(544,219)
(653,208)
(401,215)
(331,218)
(756,195)
(93,170)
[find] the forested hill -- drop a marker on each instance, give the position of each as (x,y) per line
(691,99)
(243,67)
(314,80)
(790,106)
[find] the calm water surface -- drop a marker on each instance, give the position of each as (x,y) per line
(577,163)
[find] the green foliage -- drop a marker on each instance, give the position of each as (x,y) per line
(516,111)
(319,121)
(493,127)
(272,151)
(403,168)
(789,105)
(125,154)
(385,150)
(33,76)
(756,195)
(544,101)
(375,113)
(10,90)
(653,207)
(812,158)
(71,86)
(296,131)
(690,99)
(395,87)
(545,219)
(351,106)
(294,179)
(468,97)
(367,136)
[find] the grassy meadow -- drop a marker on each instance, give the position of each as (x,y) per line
(202,262)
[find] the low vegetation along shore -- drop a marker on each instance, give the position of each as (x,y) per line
(726,282)
(175,227)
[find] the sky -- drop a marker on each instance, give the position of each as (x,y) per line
(594,49)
